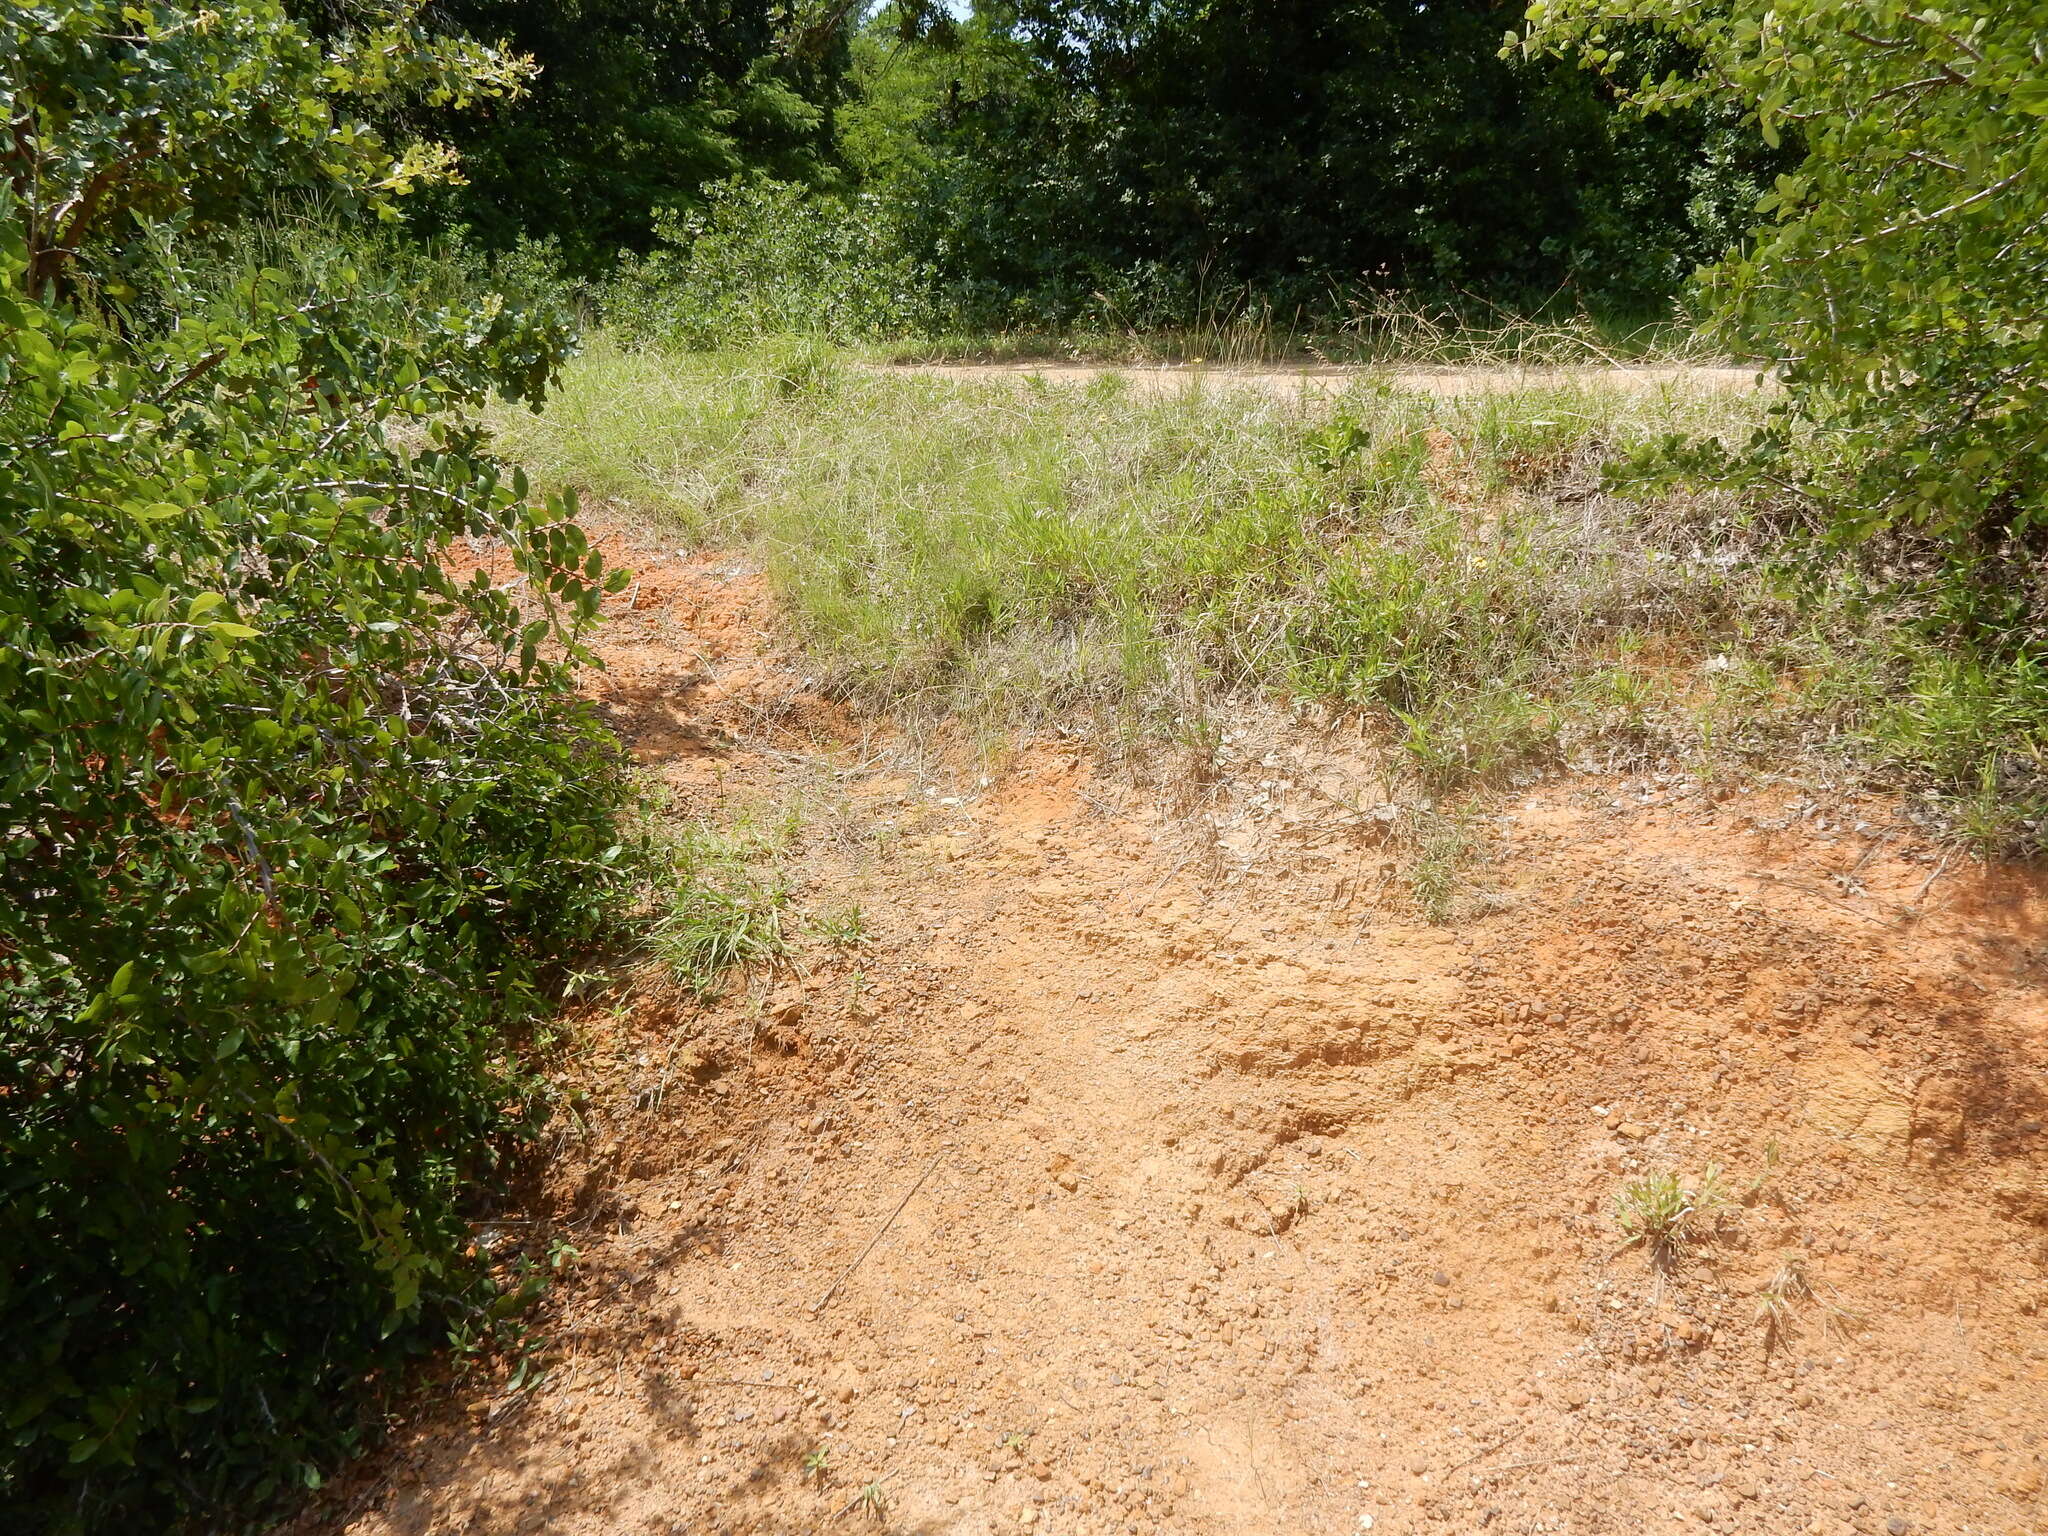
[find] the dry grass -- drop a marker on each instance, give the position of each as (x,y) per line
(1357,326)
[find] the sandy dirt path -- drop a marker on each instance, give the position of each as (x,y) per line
(1288,383)
(1152,1167)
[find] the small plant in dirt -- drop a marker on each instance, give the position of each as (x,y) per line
(818,1465)
(709,930)
(872,1502)
(1791,1288)
(1777,1302)
(1444,847)
(844,929)
(1754,1189)
(1667,1216)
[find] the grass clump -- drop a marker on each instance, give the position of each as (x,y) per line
(725,913)
(846,928)
(1442,849)
(1777,1304)
(1668,1217)
(707,931)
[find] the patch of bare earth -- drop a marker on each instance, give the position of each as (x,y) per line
(1155,1169)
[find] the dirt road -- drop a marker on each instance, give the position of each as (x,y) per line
(1153,1167)
(1291,382)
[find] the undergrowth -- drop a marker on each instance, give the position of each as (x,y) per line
(1351,327)
(1015,555)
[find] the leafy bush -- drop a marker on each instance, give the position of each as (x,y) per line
(1897,283)
(767,258)
(294,815)
(1895,286)
(293,820)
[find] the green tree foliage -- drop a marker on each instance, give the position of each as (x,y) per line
(1898,277)
(1202,145)
(766,258)
(293,815)
(638,106)
(119,113)
(1896,283)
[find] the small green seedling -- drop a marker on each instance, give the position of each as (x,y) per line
(844,929)
(872,1502)
(818,1464)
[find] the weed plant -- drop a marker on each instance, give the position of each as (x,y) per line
(1667,1216)
(724,912)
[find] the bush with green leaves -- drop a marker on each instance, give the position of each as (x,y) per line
(298,805)
(766,258)
(1895,286)
(1897,278)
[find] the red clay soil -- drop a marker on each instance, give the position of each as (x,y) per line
(1156,1168)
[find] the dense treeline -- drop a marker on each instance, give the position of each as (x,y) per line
(1176,152)
(639,105)
(1172,156)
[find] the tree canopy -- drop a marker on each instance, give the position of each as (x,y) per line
(638,105)
(1285,148)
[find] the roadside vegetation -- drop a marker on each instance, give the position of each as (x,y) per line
(316,319)
(1461,569)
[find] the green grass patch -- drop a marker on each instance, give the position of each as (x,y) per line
(1023,554)
(708,931)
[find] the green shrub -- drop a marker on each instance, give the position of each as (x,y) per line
(1895,284)
(766,258)
(295,817)
(1897,279)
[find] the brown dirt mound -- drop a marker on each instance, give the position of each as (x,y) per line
(1167,1174)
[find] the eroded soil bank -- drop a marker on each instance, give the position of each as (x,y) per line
(1153,1167)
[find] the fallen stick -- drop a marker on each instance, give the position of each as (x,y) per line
(1786,882)
(879,1232)
(1507,1439)
(1939,870)
(1517,1466)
